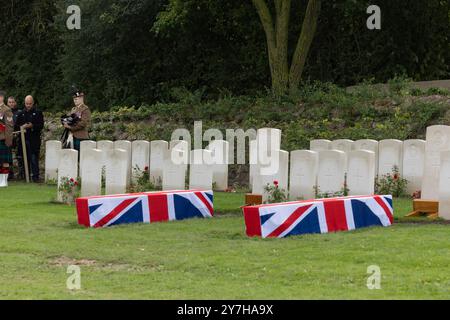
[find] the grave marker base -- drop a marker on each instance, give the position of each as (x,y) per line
(429,208)
(253,199)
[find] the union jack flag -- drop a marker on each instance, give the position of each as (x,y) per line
(147,207)
(318,216)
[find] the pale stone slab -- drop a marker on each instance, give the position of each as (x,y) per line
(253,156)
(52,153)
(444,185)
(127,146)
(278,172)
(159,151)
(303,174)
(85,146)
(257,182)
(91,173)
(185,145)
(361,173)
(369,145)
(413,164)
(268,139)
(181,158)
(116,171)
(390,154)
(331,172)
(201,170)
(140,157)
(174,173)
(220,159)
(345,145)
(105,146)
(67,167)
(319,145)
(438,140)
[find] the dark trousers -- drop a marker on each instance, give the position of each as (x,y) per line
(77,144)
(34,164)
(33,161)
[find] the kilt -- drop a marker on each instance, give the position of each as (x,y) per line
(5,153)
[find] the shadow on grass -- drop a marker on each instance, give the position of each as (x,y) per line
(424,221)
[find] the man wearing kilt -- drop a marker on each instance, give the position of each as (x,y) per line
(6,134)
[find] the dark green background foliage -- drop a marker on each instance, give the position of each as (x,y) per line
(136,52)
(319,111)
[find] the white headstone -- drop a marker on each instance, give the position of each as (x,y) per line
(159,151)
(303,174)
(268,139)
(140,157)
(438,140)
(413,164)
(319,145)
(185,145)
(342,145)
(177,157)
(369,145)
(444,186)
(125,145)
(85,146)
(257,182)
(105,146)
(390,154)
(91,173)
(201,172)
(52,153)
(361,173)
(174,172)
(281,173)
(220,156)
(331,172)
(116,171)
(253,157)
(67,167)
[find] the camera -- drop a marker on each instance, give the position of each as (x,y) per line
(70,120)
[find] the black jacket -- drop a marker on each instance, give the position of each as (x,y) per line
(32,135)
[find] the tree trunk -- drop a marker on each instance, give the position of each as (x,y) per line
(304,43)
(277,36)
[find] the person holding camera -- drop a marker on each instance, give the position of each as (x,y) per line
(32,120)
(80,119)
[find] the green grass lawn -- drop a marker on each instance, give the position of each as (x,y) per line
(212,258)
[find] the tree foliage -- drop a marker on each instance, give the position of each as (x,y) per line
(136,52)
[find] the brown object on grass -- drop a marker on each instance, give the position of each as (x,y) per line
(429,208)
(253,199)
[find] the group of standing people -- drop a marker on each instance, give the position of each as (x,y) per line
(31,120)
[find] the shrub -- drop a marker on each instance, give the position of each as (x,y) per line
(142,181)
(69,190)
(344,192)
(392,184)
(276,195)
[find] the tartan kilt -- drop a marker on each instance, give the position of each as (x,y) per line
(5,153)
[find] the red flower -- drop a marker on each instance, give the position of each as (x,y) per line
(395,177)
(76,183)
(276,183)
(146,168)
(72,180)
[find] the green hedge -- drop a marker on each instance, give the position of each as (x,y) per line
(322,111)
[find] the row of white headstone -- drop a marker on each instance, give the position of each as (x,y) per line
(408,156)
(302,173)
(167,164)
(425,164)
